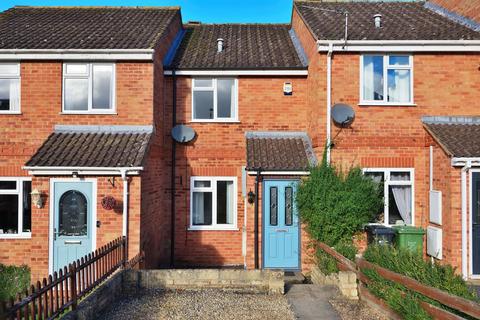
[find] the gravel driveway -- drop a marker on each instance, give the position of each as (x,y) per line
(206,304)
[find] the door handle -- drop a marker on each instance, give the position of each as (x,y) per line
(73,242)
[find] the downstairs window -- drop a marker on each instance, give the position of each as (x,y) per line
(15,207)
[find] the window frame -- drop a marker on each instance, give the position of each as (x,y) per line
(89,76)
(213,88)
(18,191)
(386,67)
(387,182)
(213,189)
(10,76)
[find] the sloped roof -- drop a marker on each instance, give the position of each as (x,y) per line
(279,151)
(246,46)
(93,146)
(400,21)
(84,27)
(458,136)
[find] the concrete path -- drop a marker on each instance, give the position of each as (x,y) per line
(311,301)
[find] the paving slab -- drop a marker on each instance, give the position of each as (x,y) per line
(310,301)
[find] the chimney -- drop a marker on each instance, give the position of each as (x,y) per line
(378,20)
(219,45)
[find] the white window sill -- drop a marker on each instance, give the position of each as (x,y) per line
(208,228)
(89,113)
(387,104)
(16,236)
(215,121)
(10,112)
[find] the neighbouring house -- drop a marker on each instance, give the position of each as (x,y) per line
(81,115)
(410,71)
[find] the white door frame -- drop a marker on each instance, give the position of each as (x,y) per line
(52,214)
(470,219)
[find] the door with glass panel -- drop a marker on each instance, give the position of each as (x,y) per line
(476,223)
(73,225)
(281,232)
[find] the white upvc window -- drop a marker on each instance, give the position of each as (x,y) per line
(214,99)
(15,207)
(10,88)
(213,203)
(386,79)
(398,194)
(88,88)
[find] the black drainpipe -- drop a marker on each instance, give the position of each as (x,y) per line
(174,146)
(257,181)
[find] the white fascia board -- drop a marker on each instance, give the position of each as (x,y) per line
(280,173)
(81,170)
(400,45)
(291,72)
(461,162)
(77,54)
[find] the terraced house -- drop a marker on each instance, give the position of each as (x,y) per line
(191,139)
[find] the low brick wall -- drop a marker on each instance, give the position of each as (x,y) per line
(252,281)
(346,281)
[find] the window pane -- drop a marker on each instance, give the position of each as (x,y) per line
(399,60)
(27,210)
(288,206)
(76,94)
(201,184)
(73,215)
(378,177)
(203,83)
(400,204)
(373,77)
(8,213)
(9,94)
(9,68)
(225,202)
(77,69)
(203,105)
(273,206)
(400,176)
(225,96)
(202,208)
(102,87)
(399,85)
(8,185)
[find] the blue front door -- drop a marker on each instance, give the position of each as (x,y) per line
(281,243)
(72,222)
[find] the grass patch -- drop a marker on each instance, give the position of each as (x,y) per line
(13,279)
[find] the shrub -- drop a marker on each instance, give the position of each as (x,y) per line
(335,205)
(326,263)
(413,265)
(13,280)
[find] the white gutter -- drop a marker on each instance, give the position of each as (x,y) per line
(281,173)
(77,54)
(400,45)
(460,162)
(259,72)
(464,218)
(81,170)
(329,100)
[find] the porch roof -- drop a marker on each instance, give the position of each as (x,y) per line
(279,151)
(93,147)
(458,136)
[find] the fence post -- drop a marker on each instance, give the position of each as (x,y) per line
(72,269)
(124,251)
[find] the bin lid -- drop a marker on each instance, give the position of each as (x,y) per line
(379,229)
(408,230)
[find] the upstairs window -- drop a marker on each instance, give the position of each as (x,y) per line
(214,99)
(9,88)
(386,79)
(88,88)
(15,207)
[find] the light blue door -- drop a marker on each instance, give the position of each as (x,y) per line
(281,249)
(73,225)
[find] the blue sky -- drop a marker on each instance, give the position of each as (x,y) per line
(267,11)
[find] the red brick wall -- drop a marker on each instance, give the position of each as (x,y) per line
(219,150)
(467,8)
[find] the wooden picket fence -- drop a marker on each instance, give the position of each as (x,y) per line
(62,291)
(454,302)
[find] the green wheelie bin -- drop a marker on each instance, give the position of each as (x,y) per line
(409,237)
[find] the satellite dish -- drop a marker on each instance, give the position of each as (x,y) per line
(182,133)
(342,114)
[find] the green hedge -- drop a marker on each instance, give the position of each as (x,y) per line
(13,279)
(328,264)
